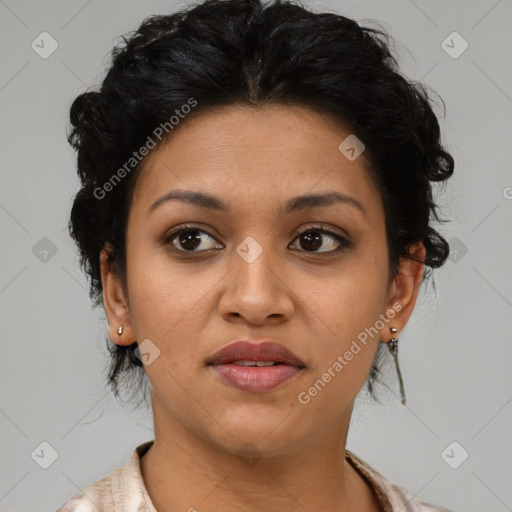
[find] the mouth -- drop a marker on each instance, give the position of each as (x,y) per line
(255,367)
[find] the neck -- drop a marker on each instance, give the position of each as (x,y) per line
(183,471)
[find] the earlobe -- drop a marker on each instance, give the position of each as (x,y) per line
(403,292)
(405,288)
(116,308)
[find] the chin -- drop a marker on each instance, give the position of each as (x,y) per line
(247,446)
(268,433)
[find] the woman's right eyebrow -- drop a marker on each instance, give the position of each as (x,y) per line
(196,198)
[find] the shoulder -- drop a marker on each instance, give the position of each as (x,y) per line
(392,498)
(98,496)
(123,489)
(407,503)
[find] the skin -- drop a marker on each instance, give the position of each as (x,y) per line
(315,301)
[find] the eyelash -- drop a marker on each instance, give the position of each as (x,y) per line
(344,243)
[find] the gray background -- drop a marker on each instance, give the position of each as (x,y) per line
(456,351)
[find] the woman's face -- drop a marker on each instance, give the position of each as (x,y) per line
(247,273)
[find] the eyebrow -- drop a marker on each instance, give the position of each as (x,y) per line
(298,203)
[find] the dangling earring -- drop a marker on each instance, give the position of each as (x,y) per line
(393,348)
(120,330)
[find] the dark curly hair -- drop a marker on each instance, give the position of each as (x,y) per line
(224,52)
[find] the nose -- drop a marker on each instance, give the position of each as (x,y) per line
(257,290)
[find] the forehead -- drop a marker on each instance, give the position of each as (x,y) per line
(247,154)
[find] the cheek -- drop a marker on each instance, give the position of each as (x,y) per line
(351,300)
(344,351)
(163,295)
(345,314)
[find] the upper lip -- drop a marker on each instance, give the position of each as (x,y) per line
(246,350)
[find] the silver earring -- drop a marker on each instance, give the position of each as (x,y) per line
(120,330)
(393,348)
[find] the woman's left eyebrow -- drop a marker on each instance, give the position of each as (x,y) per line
(298,203)
(327,198)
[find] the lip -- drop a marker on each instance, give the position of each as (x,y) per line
(245,350)
(255,379)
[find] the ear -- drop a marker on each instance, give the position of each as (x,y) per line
(114,300)
(404,291)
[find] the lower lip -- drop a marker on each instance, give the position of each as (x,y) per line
(256,379)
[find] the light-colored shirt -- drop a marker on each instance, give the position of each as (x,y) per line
(124,490)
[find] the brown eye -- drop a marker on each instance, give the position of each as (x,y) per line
(189,239)
(192,239)
(315,238)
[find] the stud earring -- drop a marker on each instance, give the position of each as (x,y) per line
(393,348)
(120,330)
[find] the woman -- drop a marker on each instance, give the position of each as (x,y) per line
(256,219)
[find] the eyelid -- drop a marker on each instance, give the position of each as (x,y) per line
(342,239)
(187,227)
(325,228)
